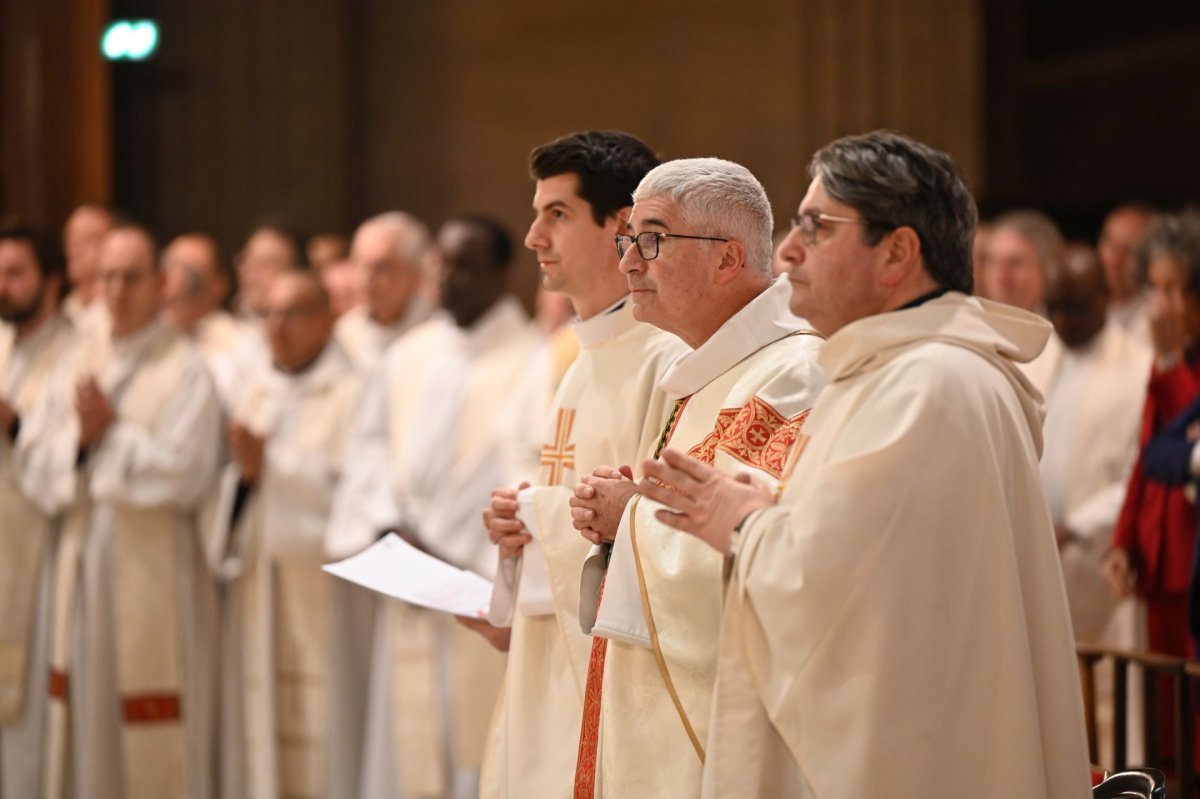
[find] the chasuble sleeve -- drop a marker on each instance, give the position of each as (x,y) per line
(173,464)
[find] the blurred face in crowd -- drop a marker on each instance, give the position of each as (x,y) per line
(344,284)
(471,281)
(266,254)
(575,255)
(132,285)
(299,320)
(1123,231)
(1167,275)
(1014,274)
(1077,296)
(326,250)
(388,279)
(24,294)
(193,284)
(82,237)
(834,278)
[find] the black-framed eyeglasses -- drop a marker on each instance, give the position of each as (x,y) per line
(810,222)
(647,242)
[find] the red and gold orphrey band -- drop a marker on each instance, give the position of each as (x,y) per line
(756,434)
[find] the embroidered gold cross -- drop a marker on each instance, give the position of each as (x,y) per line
(560,456)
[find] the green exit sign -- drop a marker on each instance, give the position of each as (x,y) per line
(129,40)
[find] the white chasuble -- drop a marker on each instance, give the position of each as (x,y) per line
(897,625)
(284,609)
(27,541)
(459,413)
(608,411)
(741,401)
(132,652)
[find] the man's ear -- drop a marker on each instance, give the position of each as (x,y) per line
(733,261)
(901,251)
(621,218)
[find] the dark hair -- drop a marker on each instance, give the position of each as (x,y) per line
(609,163)
(501,241)
(46,249)
(1176,235)
(895,181)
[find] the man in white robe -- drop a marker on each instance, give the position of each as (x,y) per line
(896,625)
(390,253)
(132,699)
(1021,247)
(607,410)
(1124,229)
(697,258)
(287,437)
(1093,418)
(83,234)
(195,286)
(453,411)
(34,339)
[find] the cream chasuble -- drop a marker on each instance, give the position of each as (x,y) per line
(218,337)
(897,624)
(365,340)
(132,653)
(741,400)
(284,609)
(1093,417)
(27,537)
(608,410)
(450,415)
(91,320)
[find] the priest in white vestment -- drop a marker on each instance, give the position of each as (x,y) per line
(454,410)
(34,339)
(1097,387)
(389,252)
(697,258)
(280,651)
(1124,230)
(896,625)
(194,287)
(83,234)
(607,410)
(132,698)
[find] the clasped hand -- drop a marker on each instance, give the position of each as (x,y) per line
(599,502)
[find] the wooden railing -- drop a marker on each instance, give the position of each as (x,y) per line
(1178,674)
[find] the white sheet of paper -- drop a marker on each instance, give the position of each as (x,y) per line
(395,568)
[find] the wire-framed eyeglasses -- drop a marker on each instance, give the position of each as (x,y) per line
(647,242)
(810,222)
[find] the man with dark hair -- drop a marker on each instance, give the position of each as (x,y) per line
(896,624)
(132,644)
(34,339)
(606,410)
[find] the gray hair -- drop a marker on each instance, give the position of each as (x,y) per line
(413,241)
(717,198)
(1176,235)
(1039,230)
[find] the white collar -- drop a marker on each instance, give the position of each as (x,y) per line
(601,328)
(762,321)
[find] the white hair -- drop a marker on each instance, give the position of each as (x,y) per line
(413,241)
(717,198)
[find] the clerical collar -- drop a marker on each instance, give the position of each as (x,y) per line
(598,329)
(762,321)
(924,298)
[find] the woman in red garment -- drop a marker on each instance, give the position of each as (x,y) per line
(1152,546)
